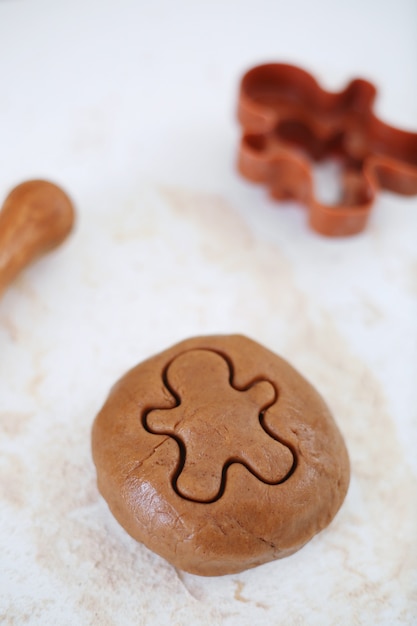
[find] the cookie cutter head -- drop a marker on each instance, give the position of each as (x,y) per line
(288,121)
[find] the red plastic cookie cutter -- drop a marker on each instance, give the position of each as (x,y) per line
(288,120)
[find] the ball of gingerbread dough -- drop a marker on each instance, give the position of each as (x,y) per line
(219,456)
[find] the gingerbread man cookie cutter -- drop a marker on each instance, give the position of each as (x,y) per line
(288,119)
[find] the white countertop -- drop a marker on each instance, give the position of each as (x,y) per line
(130,107)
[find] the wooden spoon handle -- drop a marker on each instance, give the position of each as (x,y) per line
(36,217)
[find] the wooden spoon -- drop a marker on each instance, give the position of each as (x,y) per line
(36,217)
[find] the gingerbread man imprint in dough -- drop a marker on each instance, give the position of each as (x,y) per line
(216,424)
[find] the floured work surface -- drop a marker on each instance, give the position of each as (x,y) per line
(131,112)
(65,559)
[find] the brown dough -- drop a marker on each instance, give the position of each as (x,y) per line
(219,456)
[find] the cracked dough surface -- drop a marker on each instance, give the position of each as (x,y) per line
(252,521)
